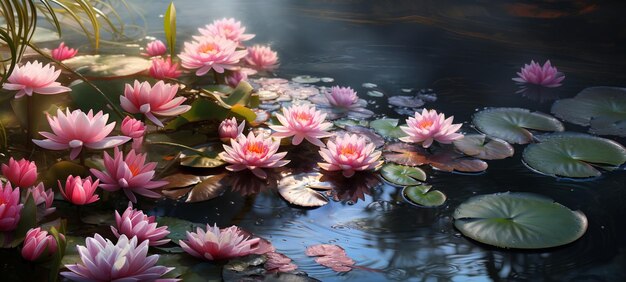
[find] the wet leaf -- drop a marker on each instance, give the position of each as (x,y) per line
(445,158)
(405,101)
(180,180)
(107,66)
(208,159)
(512,124)
(178,227)
(422,195)
(279,263)
(573,155)
(208,189)
(71,252)
(331,256)
(403,175)
(519,220)
(298,189)
(602,107)
(475,145)
(387,127)
(169,27)
(241,94)
(61,170)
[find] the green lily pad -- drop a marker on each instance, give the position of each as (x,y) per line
(108,66)
(475,145)
(519,220)
(387,127)
(512,124)
(422,195)
(178,227)
(86,98)
(574,155)
(602,107)
(403,175)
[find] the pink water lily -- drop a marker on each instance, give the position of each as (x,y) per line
(229,129)
(215,244)
(124,261)
(63,52)
(75,130)
(79,191)
(430,126)
(42,197)
(22,173)
(10,207)
(134,129)
(155,48)
(134,222)
(234,77)
(38,244)
(164,68)
(33,77)
(131,175)
(253,153)
(262,58)
(534,73)
(230,29)
(302,122)
(342,97)
(211,53)
(350,153)
(153,101)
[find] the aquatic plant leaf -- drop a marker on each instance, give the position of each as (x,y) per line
(189,268)
(305,79)
(169,27)
(180,180)
(279,262)
(61,170)
(512,124)
(367,133)
(405,101)
(83,95)
(208,159)
(445,158)
(519,220)
(241,94)
(602,107)
(28,220)
(331,256)
(475,145)
(573,155)
(107,66)
(177,227)
(71,252)
(403,175)
(422,195)
(387,127)
(298,189)
(208,189)
(206,110)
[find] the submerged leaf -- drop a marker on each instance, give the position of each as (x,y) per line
(512,124)
(475,145)
(519,220)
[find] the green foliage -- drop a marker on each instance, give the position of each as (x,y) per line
(169,26)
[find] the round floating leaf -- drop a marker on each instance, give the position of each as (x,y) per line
(519,220)
(305,79)
(107,66)
(402,175)
(602,103)
(177,227)
(445,158)
(387,127)
(405,101)
(375,93)
(475,145)
(208,159)
(208,189)
(297,189)
(367,133)
(422,195)
(574,155)
(512,124)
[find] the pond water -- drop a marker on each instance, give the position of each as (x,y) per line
(465,53)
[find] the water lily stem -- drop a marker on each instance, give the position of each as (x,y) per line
(113,106)
(82,157)
(29,120)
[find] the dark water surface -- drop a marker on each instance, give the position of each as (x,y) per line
(467,53)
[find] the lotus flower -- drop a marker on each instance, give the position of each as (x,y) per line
(134,129)
(131,174)
(38,244)
(350,153)
(42,197)
(229,129)
(22,173)
(79,191)
(262,58)
(34,78)
(207,53)
(253,153)
(234,77)
(63,52)
(430,126)
(342,97)
(125,261)
(164,68)
(157,100)
(10,207)
(302,122)
(135,223)
(75,130)
(547,75)
(226,28)
(155,48)
(216,244)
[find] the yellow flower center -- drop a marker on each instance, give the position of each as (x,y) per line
(208,48)
(303,116)
(256,147)
(425,123)
(134,169)
(348,150)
